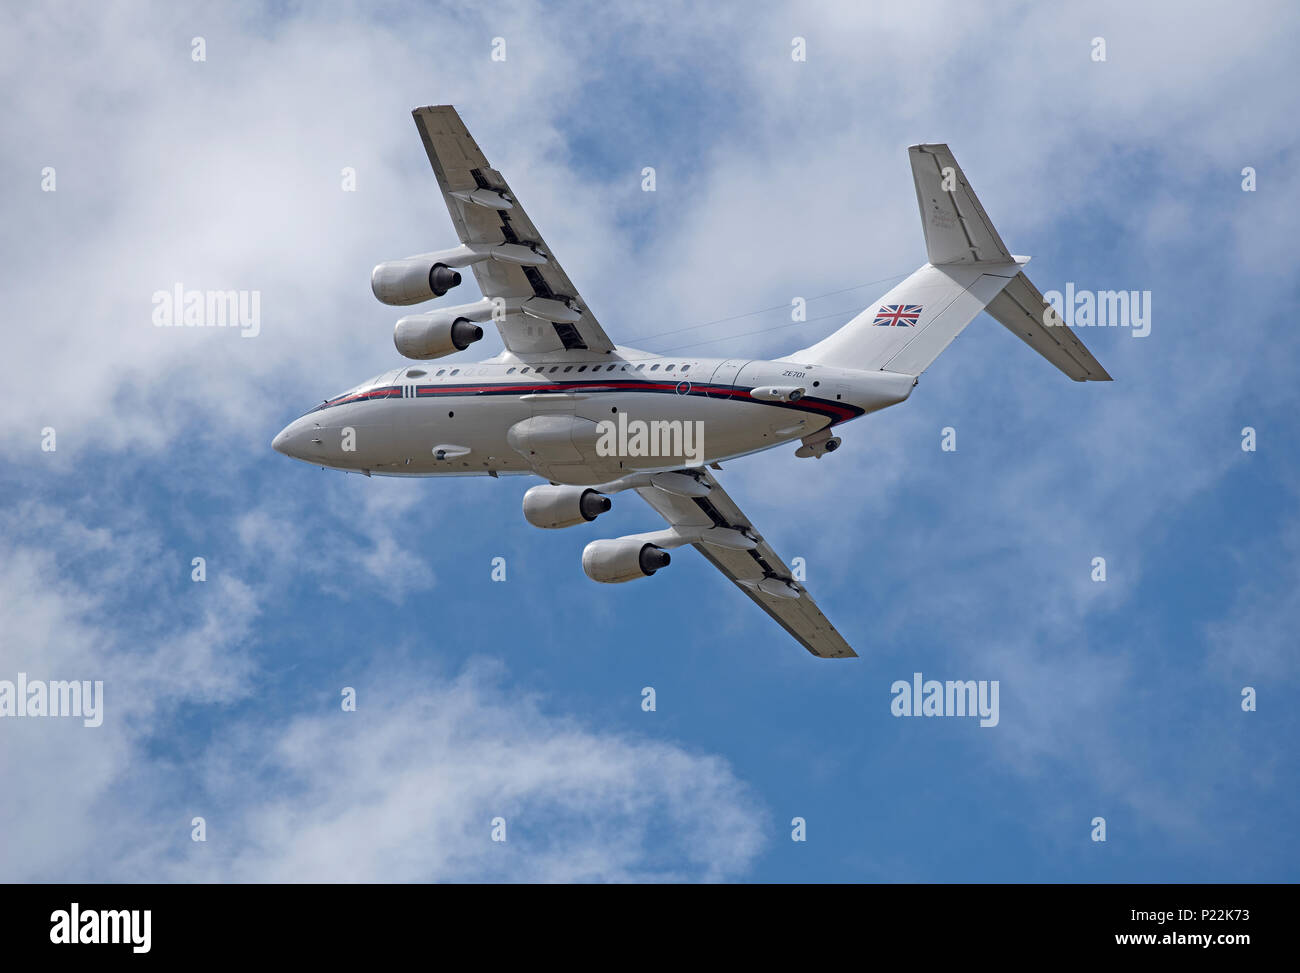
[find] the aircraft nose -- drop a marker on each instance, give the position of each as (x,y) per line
(300,439)
(289,440)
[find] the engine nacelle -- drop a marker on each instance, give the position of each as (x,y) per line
(622,559)
(435,334)
(551,507)
(415,279)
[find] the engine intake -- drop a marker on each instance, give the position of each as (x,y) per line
(622,559)
(551,507)
(434,335)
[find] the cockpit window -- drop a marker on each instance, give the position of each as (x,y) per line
(354,391)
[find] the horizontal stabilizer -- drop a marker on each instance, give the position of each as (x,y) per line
(1021,309)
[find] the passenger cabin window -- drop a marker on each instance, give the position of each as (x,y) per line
(510,371)
(441,370)
(669,368)
(686,368)
(582,368)
(654,368)
(640,367)
(455,371)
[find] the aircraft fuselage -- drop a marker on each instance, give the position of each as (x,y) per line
(508,415)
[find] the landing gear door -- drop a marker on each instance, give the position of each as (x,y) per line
(725,375)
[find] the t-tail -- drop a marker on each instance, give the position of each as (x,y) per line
(969,270)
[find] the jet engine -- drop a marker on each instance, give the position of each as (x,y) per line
(550,506)
(622,559)
(415,279)
(435,334)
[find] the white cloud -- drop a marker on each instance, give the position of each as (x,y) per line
(406,788)
(403,789)
(372,525)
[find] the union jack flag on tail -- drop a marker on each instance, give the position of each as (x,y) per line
(897,316)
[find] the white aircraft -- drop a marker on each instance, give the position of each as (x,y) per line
(563,402)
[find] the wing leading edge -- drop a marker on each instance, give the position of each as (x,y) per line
(760,573)
(544,311)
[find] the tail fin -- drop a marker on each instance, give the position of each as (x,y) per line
(969,270)
(957,230)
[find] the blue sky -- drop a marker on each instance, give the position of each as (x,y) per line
(521,699)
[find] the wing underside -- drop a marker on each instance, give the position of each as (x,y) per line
(544,311)
(758,572)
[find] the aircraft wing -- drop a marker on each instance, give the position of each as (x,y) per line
(487,213)
(758,573)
